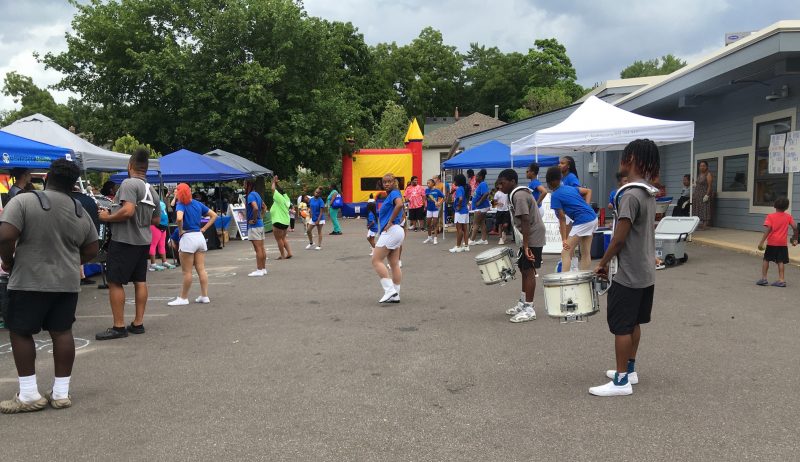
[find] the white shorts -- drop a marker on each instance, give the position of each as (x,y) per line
(255,234)
(482,210)
(567,220)
(432,214)
(462,218)
(392,238)
(371,233)
(318,223)
(541,212)
(586,229)
(193,242)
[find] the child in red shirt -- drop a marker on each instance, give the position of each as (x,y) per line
(777,230)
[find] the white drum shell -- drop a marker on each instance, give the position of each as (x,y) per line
(570,296)
(496,265)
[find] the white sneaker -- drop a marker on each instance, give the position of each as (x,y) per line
(389,296)
(258,273)
(394,299)
(400,263)
(371,252)
(501,242)
(465,248)
(610,389)
(483,242)
(435,241)
(633,377)
(427,240)
(317,248)
(515,309)
(471,242)
(179,302)
(524,316)
(309,246)
(456,250)
(202,299)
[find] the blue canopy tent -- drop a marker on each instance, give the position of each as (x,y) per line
(19,152)
(494,154)
(185,166)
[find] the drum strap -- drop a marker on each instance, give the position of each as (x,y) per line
(517,232)
(614,264)
(44,202)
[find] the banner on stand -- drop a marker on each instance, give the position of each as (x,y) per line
(238,224)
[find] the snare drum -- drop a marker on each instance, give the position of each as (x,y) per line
(496,265)
(570,296)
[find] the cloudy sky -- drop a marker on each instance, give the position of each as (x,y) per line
(601,36)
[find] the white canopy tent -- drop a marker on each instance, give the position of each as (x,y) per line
(41,128)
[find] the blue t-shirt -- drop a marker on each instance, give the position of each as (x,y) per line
(316,204)
(164,217)
(436,195)
(372,222)
(572,203)
(482,189)
(611,196)
(571,180)
(254,197)
(534,186)
(460,196)
(193,212)
(386,210)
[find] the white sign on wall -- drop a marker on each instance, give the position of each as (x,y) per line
(553,243)
(776,153)
(792,152)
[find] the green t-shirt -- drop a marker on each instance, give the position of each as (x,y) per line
(279,213)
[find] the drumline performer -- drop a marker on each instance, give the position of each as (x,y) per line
(630,297)
(530,234)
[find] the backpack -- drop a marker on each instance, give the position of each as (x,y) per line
(44,202)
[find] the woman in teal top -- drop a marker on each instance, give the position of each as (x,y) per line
(334,213)
(279,213)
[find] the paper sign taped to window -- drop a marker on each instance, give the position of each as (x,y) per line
(776,153)
(792,152)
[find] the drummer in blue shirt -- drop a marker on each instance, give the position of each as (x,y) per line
(567,202)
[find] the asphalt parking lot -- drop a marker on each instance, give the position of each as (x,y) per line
(303,364)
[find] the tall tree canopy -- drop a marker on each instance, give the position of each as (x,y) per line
(667,64)
(33,100)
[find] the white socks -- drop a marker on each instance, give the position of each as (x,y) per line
(28,389)
(388,285)
(396,287)
(61,388)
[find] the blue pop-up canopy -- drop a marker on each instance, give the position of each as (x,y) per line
(185,166)
(494,154)
(19,152)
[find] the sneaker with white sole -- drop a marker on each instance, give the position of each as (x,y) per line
(317,248)
(456,249)
(435,241)
(258,273)
(371,253)
(465,248)
(168,265)
(610,389)
(471,242)
(516,309)
(483,242)
(309,246)
(179,302)
(394,299)
(389,296)
(202,299)
(429,239)
(501,242)
(633,377)
(524,316)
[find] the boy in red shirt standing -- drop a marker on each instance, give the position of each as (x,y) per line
(777,230)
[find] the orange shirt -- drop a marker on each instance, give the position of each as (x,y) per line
(778,223)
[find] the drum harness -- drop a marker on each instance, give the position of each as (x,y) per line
(613,265)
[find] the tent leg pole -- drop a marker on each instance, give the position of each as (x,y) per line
(691,175)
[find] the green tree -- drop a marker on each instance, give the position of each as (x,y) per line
(259,77)
(493,77)
(667,64)
(391,130)
(33,100)
(126,144)
(541,99)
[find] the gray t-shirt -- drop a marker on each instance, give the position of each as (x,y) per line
(136,230)
(47,257)
(523,203)
(637,265)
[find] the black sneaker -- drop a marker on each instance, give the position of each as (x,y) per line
(134,329)
(111,334)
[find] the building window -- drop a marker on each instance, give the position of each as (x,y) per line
(443,157)
(768,187)
(734,173)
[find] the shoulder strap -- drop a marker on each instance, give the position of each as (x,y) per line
(44,202)
(652,191)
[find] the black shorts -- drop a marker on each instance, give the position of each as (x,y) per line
(280,226)
(628,308)
(524,264)
(502,218)
(416,214)
(127,263)
(777,253)
(30,312)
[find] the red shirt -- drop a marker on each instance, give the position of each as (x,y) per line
(778,224)
(415,195)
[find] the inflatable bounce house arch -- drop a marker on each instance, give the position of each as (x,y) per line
(363,170)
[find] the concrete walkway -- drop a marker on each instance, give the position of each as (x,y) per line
(739,241)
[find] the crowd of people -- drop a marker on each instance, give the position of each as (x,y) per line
(44,232)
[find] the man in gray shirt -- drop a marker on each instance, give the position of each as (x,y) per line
(44,238)
(529,228)
(630,298)
(135,208)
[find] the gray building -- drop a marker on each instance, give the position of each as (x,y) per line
(737,97)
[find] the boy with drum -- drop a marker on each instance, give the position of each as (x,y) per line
(630,297)
(528,222)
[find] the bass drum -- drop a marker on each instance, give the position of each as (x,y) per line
(570,296)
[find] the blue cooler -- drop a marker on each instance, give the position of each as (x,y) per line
(599,244)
